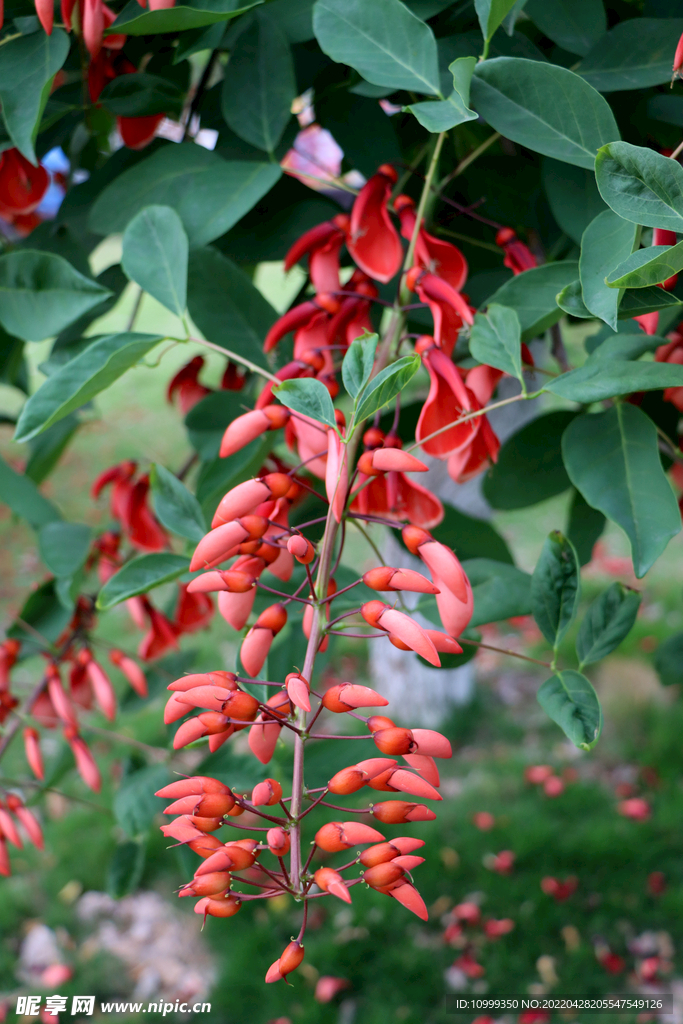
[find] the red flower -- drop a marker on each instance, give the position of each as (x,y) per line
(138,132)
(373,241)
(22,186)
(447,306)
(432,254)
(560,891)
(518,256)
(161,636)
(143,530)
(322,245)
(394,495)
(186,384)
(636,808)
(448,399)
(194,610)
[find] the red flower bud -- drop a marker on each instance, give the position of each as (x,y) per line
(381,875)
(398,812)
(394,741)
(279,841)
(331,881)
(227,906)
(342,835)
(210,884)
(301,548)
(349,696)
(266,793)
(298,691)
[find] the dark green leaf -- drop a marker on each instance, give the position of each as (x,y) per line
(140,575)
(634,54)
(607,241)
(470,537)
(259,85)
(570,299)
(209,194)
(155,253)
(388,383)
(573,196)
(491,14)
(27,67)
(640,185)
(598,379)
(625,346)
(575,25)
(135,804)
(543,107)
(309,397)
(383,41)
(666,108)
(125,869)
(13,367)
(529,467)
(198,39)
(141,95)
(555,588)
(177,509)
(47,448)
(495,339)
(613,459)
(637,301)
(64,547)
(570,700)
(23,497)
(668,660)
(647,267)
(133,21)
(226,306)
(40,294)
(500,590)
(295,18)
(533,295)
(584,527)
(358,363)
(608,620)
(81,379)
(442,115)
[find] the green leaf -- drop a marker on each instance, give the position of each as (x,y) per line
(135,804)
(608,620)
(495,339)
(27,67)
(64,547)
(613,459)
(141,95)
(45,613)
(529,467)
(640,185)
(133,21)
(259,85)
(442,115)
(382,40)
(208,194)
(386,385)
(607,240)
(599,379)
(358,363)
(637,301)
(543,107)
(575,25)
(177,509)
(635,54)
(23,497)
(226,306)
(668,660)
(500,590)
(570,299)
(79,380)
(570,700)
(584,527)
(470,537)
(47,448)
(309,397)
(573,196)
(625,346)
(555,588)
(125,868)
(140,575)
(647,267)
(41,294)
(533,295)
(491,14)
(155,253)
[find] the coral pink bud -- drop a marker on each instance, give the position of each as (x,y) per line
(402,626)
(195,786)
(291,958)
(350,780)
(413,537)
(33,752)
(384,874)
(399,780)
(218,544)
(228,858)
(432,743)
(425,765)
(5,867)
(394,740)
(393,460)
(102,688)
(536,774)
(59,698)
(376,722)
(279,841)
(232,581)
(553,786)
(342,835)
(93,26)
(254,649)
(327,987)
(228,906)
(298,691)
(379,854)
(27,819)
(678,61)
(246,497)
(204,845)
(9,830)
(301,548)
(387,578)
(85,763)
(331,881)
(410,898)
(211,884)
(216,678)
(273,973)
(636,808)
(242,431)
(336,474)
(444,643)
(398,812)
(175,709)
(266,793)
(348,696)
(443,564)
(131,670)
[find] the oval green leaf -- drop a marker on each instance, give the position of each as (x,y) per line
(640,185)
(647,267)
(635,54)
(570,700)
(176,508)
(608,620)
(141,575)
(155,253)
(607,240)
(64,547)
(555,588)
(533,295)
